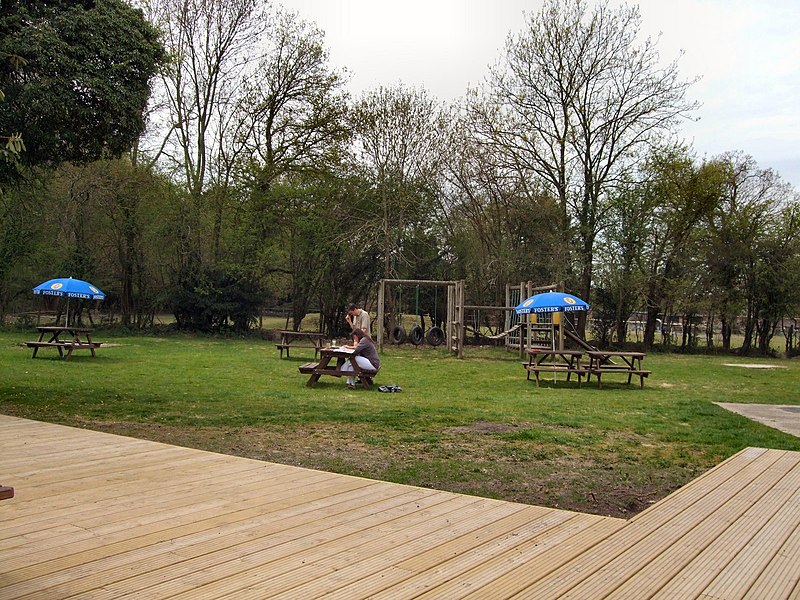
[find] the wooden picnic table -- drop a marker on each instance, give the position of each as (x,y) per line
(288,338)
(547,360)
(77,338)
(342,355)
(602,362)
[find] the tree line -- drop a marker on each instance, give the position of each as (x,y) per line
(214,165)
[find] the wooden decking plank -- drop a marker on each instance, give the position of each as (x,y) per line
(664,526)
(134,567)
(197,467)
(102,516)
(115,562)
(130,506)
(743,464)
(44,508)
(587,530)
(180,508)
(206,485)
(781,573)
(754,558)
(454,547)
(65,450)
(574,538)
(465,571)
(374,549)
(359,550)
(132,562)
(139,537)
(47,470)
(81,489)
(117,478)
(49,473)
(262,551)
(702,553)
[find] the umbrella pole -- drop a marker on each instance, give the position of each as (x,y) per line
(66,316)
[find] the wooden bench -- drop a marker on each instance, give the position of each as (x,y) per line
(365,375)
(299,339)
(619,369)
(6,492)
(61,346)
(600,363)
(553,368)
(286,347)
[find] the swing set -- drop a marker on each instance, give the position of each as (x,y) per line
(518,334)
(392,318)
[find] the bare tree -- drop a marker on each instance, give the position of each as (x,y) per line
(581,96)
(213,44)
(399,134)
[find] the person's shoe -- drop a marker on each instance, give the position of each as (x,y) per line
(351,386)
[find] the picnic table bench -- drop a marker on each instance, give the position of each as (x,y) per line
(601,362)
(80,338)
(289,338)
(342,355)
(547,360)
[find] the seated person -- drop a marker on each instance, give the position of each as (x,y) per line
(365,353)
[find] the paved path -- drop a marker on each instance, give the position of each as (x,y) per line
(783,417)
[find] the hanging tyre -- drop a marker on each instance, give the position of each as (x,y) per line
(435,336)
(398,335)
(416,335)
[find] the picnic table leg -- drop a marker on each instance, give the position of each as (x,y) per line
(91,345)
(318,371)
(313,379)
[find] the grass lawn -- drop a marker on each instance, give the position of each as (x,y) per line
(474,426)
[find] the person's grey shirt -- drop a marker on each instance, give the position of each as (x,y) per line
(367,349)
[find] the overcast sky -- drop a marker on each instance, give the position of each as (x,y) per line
(747,54)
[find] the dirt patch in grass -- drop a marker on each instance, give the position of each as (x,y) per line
(488,459)
(483,427)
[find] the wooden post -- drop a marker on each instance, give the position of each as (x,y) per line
(450,317)
(461,324)
(508,318)
(524,294)
(381,297)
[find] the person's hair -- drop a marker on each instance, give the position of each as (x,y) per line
(359,333)
(351,308)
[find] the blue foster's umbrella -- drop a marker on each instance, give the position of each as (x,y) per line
(71,288)
(551,302)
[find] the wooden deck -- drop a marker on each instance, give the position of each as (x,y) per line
(103,516)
